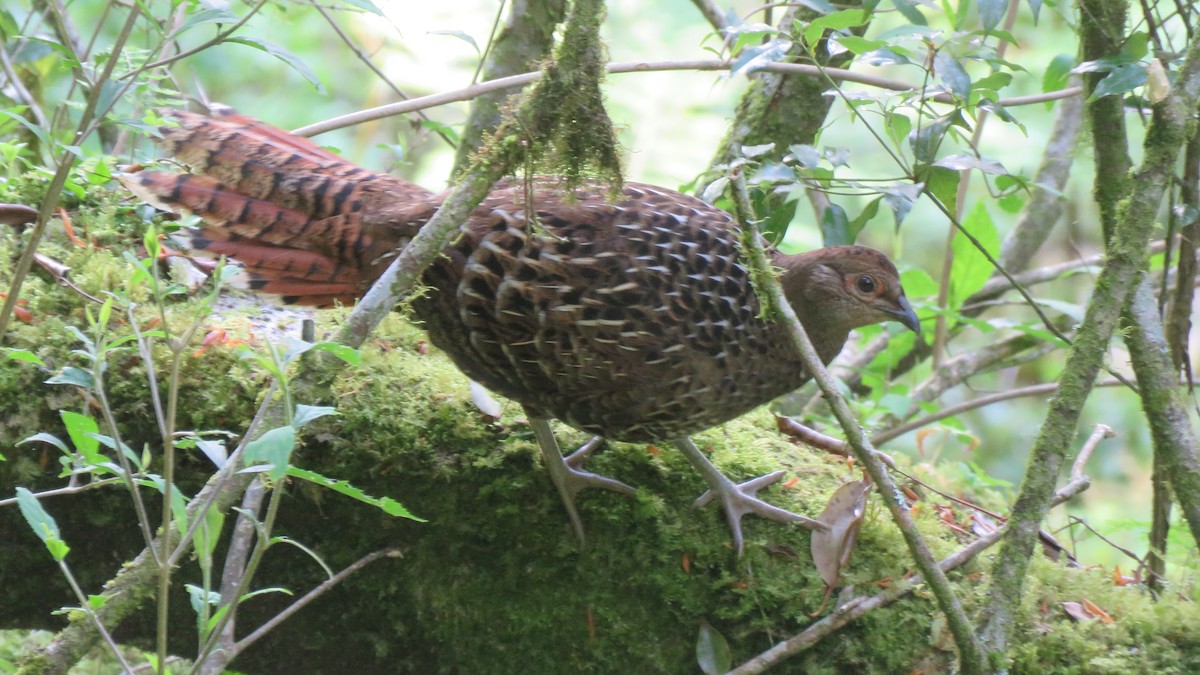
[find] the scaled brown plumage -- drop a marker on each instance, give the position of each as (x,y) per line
(632,319)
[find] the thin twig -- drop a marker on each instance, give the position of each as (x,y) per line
(218,39)
(23,95)
(315,593)
(366,60)
(467,93)
(69,490)
(86,608)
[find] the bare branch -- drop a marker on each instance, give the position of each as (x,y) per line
(308,597)
(468,93)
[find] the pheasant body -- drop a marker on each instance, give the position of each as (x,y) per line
(632,318)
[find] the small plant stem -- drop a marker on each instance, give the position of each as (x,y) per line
(315,593)
(65,164)
(85,606)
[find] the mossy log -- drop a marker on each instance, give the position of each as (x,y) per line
(495,581)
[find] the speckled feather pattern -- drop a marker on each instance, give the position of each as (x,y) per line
(632,318)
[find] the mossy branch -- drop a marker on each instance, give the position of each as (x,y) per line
(970,652)
(1163,402)
(525,40)
(1126,257)
(778,109)
(538,120)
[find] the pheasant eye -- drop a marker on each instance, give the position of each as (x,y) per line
(866,284)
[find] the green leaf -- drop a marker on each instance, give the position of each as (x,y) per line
(846,18)
(73,375)
(942,184)
(365,5)
(109,90)
(111,443)
(80,428)
(968,162)
(835,226)
(859,45)
(991,12)
(205,16)
(712,651)
(909,9)
(307,413)
(753,151)
(46,438)
(1136,46)
(1058,71)
(208,534)
(898,127)
(926,140)
(200,597)
(179,500)
(23,355)
(776,210)
(283,55)
(951,72)
(806,155)
(460,35)
(863,218)
(275,448)
(34,128)
(348,354)
(900,198)
(451,133)
(971,269)
(917,283)
(1120,80)
(386,504)
(42,523)
(308,551)
(753,58)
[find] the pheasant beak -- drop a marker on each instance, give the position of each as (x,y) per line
(903,312)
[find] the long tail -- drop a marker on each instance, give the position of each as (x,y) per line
(303,222)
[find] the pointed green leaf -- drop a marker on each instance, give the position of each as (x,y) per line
(275,448)
(712,651)
(42,523)
(388,505)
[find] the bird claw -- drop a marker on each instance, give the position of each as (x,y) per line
(567,474)
(740,499)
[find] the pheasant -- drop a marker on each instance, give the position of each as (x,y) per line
(632,319)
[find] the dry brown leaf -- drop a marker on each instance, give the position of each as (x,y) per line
(1076,611)
(843,514)
(1095,611)
(1087,611)
(1158,85)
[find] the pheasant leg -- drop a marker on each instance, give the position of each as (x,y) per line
(566,473)
(739,499)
